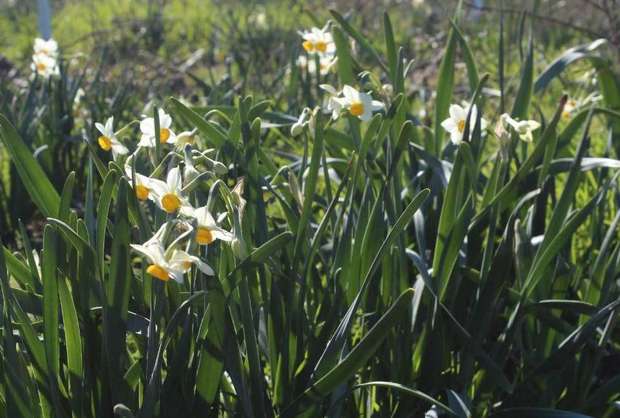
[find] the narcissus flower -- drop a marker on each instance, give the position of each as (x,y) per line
(46,47)
(108,141)
(168,195)
(523,128)
(569,108)
(147,127)
(143,184)
(207,229)
(455,124)
(168,263)
(318,40)
(185,138)
(45,65)
(358,103)
(573,105)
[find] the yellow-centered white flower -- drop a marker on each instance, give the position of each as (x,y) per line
(46,47)
(45,65)
(207,229)
(168,195)
(107,140)
(455,124)
(141,184)
(523,128)
(358,103)
(147,127)
(318,41)
(168,263)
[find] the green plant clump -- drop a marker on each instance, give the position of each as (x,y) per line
(331,239)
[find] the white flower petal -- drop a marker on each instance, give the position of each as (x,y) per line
(350,94)
(222,234)
(119,148)
(449,125)
(176,275)
(173,179)
(154,253)
(456,112)
(165,121)
(100,128)
(328,88)
(147,141)
(109,125)
(377,105)
(456,137)
(147,126)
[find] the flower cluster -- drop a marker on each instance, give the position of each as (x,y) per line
(170,255)
(456,122)
(320,47)
(523,128)
(45,58)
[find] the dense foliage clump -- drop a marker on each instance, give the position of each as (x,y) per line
(328,234)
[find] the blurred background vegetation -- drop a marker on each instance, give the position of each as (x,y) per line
(167,43)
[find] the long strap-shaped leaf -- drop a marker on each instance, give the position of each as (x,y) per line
(34,178)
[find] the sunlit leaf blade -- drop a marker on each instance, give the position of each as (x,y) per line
(33,177)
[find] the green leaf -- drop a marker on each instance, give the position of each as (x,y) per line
(73,345)
(33,177)
(445,84)
(67,194)
(18,269)
(568,57)
(345,62)
(49,265)
(117,293)
(390,46)
(361,40)
(408,391)
(524,93)
(209,130)
(468,57)
(271,247)
(451,211)
(570,187)
(310,185)
(103,209)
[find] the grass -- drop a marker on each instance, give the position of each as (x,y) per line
(363,268)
